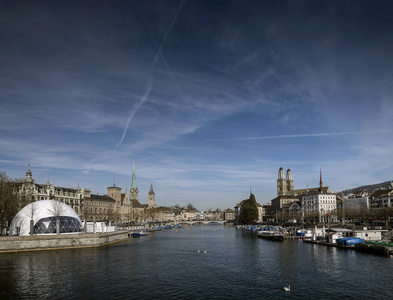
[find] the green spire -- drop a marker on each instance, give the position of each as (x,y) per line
(133,184)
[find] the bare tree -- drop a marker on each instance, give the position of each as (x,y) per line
(30,213)
(191,207)
(57,209)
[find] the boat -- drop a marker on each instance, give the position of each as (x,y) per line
(305,233)
(139,233)
(271,234)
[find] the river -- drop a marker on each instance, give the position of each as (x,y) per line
(167,265)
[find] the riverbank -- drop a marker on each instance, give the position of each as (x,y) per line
(372,247)
(62,241)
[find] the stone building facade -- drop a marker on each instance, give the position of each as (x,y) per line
(31,191)
(116,206)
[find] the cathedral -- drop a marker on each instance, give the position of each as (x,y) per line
(285,185)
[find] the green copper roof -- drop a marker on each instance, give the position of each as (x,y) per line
(133,184)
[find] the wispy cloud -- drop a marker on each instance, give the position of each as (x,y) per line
(307,135)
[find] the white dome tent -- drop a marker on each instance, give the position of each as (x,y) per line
(44,214)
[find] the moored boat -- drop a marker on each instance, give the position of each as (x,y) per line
(270,234)
(139,233)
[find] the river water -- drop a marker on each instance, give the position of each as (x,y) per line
(167,265)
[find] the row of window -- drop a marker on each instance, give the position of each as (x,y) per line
(100,210)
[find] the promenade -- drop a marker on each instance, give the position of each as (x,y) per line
(61,241)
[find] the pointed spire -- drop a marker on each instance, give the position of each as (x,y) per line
(133,183)
(320,178)
(151,189)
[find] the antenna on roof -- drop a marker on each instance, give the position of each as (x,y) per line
(114,180)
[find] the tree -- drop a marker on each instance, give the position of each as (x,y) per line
(385,213)
(191,207)
(57,209)
(9,204)
(249,211)
(30,213)
(177,210)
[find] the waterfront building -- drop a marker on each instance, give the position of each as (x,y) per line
(294,210)
(100,208)
(355,203)
(278,203)
(200,216)
(187,215)
(30,191)
(382,198)
(267,212)
(320,204)
(229,215)
(115,206)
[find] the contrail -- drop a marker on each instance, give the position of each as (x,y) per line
(294,136)
(149,84)
(159,47)
(148,89)
(159,53)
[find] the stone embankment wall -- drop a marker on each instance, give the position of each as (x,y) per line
(62,241)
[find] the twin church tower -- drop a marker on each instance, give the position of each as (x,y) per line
(285,185)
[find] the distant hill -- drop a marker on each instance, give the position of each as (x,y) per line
(370,187)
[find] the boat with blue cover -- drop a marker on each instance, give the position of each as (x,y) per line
(139,233)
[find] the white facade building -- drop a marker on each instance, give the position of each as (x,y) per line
(320,203)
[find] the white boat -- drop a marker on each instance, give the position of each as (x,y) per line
(270,234)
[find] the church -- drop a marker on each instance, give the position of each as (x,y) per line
(286,193)
(128,207)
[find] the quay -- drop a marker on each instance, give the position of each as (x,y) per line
(61,241)
(376,247)
(373,247)
(66,240)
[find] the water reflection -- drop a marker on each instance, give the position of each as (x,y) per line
(167,265)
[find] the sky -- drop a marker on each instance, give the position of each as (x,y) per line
(208,98)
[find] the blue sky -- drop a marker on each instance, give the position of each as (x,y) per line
(210,97)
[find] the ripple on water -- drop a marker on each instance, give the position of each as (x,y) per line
(166,265)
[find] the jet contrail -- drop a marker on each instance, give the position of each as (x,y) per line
(294,136)
(159,53)
(149,84)
(159,47)
(148,88)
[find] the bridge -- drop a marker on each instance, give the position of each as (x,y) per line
(201,222)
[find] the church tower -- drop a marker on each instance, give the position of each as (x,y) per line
(134,188)
(290,185)
(151,200)
(281,183)
(320,179)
